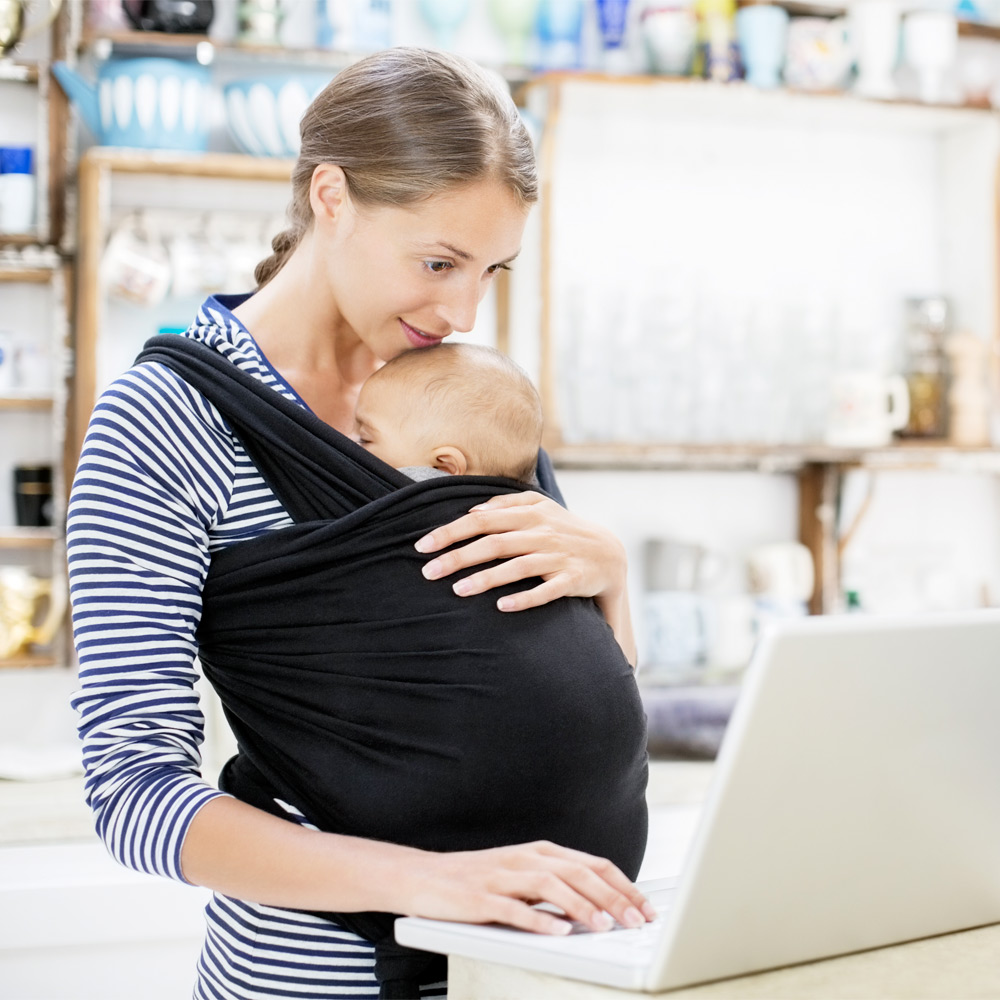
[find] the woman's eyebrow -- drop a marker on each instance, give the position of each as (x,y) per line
(463,254)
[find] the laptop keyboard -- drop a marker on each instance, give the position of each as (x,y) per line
(636,939)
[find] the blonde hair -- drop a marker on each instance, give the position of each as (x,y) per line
(477,398)
(405,124)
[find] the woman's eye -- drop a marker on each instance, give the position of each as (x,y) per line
(493,268)
(438,266)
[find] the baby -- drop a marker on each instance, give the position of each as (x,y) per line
(455,409)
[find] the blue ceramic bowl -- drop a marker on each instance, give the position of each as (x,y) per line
(263,113)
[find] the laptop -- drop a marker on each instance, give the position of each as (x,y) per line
(855,803)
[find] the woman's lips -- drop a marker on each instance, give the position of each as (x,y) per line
(417,338)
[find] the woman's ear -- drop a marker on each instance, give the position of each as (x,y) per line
(450,459)
(328,192)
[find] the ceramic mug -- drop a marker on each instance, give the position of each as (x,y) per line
(865,409)
(670,35)
(875,43)
(818,56)
(783,572)
(762,30)
(675,566)
(930,47)
(135,267)
(22,597)
(676,634)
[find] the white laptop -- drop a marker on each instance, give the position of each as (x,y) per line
(855,803)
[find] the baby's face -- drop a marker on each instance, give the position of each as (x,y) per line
(387,429)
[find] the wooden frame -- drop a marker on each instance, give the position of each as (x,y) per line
(819,469)
(96,169)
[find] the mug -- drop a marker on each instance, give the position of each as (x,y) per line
(875,41)
(865,409)
(676,634)
(8,357)
(33,496)
(134,267)
(675,566)
(22,596)
(783,572)
(762,30)
(819,53)
(670,35)
(930,47)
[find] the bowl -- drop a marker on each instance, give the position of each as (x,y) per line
(263,113)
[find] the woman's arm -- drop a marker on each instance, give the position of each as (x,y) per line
(536,537)
(243,852)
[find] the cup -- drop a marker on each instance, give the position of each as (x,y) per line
(782,572)
(670,35)
(8,359)
(515,20)
(865,409)
(675,630)
(930,46)
(24,619)
(762,30)
(676,566)
(33,496)
(135,267)
(874,28)
(818,55)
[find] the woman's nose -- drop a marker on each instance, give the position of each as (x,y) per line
(459,309)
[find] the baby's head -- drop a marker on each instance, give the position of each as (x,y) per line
(461,408)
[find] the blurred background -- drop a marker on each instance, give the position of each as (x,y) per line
(759,297)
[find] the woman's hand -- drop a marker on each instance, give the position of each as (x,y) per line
(499,885)
(535,537)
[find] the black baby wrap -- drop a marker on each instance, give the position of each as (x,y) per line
(380,703)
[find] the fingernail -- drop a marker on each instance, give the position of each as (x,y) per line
(462,587)
(425,544)
(479,506)
(505,604)
(603,922)
(649,910)
(561,927)
(432,570)
(633,918)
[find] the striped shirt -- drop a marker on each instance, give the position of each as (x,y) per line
(162,483)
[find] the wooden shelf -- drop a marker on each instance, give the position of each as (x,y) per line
(708,100)
(25,275)
(25,401)
(234,166)
(974,29)
(27,538)
(15,71)
(27,660)
(773,458)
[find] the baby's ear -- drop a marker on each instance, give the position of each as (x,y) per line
(450,459)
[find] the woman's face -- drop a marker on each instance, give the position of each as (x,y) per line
(405,278)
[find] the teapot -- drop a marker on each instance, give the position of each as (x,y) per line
(12,23)
(147,103)
(21,597)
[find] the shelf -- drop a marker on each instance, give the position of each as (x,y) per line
(776,458)
(27,538)
(14,71)
(25,275)
(26,401)
(20,239)
(703,100)
(974,29)
(27,660)
(235,166)
(802,8)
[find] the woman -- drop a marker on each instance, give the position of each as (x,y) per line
(410,193)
